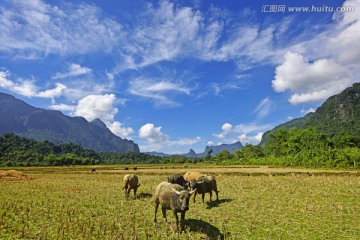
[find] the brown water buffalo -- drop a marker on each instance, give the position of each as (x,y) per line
(131,181)
(172,197)
(192,176)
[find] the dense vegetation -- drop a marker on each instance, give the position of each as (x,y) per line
(295,147)
(299,147)
(340,113)
(19,151)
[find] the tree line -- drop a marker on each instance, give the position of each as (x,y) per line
(305,147)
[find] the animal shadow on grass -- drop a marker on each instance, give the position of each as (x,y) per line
(212,232)
(217,203)
(144,195)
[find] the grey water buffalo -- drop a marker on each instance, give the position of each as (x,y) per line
(131,181)
(192,176)
(178,179)
(172,197)
(205,184)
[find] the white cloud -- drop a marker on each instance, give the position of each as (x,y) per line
(97,106)
(157,90)
(344,41)
(161,33)
(264,107)
(246,133)
(101,107)
(151,133)
(306,111)
(28,88)
(251,139)
(227,129)
(33,29)
(333,64)
(170,31)
(155,139)
(52,93)
(118,129)
(63,107)
(73,71)
(310,81)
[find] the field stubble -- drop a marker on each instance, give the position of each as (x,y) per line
(73,203)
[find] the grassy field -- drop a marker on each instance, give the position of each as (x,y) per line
(255,203)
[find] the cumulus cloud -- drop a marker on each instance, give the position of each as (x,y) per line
(73,71)
(246,133)
(101,107)
(333,64)
(310,81)
(97,106)
(251,139)
(227,129)
(155,139)
(151,133)
(343,43)
(120,130)
(28,87)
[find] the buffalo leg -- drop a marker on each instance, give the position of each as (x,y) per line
(182,221)
(156,208)
(210,195)
(176,220)
(135,189)
(164,213)
(203,197)
(195,196)
(126,195)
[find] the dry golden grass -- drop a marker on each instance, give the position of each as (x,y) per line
(255,203)
(11,175)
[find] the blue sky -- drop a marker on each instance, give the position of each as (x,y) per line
(175,75)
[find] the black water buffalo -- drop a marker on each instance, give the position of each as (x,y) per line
(178,179)
(205,184)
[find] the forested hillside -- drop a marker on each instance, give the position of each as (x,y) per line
(338,115)
(20,151)
(306,147)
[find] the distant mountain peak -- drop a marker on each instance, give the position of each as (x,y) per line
(98,122)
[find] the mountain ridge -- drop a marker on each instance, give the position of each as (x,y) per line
(40,124)
(192,154)
(339,114)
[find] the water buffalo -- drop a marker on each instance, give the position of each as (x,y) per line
(205,184)
(178,179)
(131,181)
(192,176)
(172,197)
